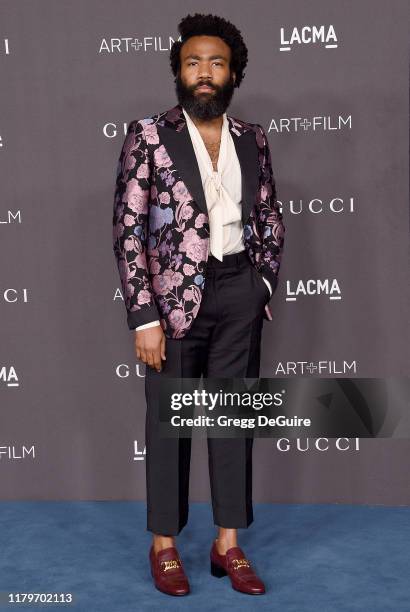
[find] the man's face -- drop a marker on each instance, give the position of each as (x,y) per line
(204,84)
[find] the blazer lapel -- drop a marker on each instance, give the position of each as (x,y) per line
(174,134)
(247,152)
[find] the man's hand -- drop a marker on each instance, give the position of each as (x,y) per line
(150,346)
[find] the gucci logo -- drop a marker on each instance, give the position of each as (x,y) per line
(173,564)
(237,563)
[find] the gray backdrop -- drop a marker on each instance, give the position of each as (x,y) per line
(74,74)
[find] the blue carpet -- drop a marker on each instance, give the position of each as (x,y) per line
(312,558)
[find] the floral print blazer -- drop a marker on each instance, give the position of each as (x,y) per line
(161,225)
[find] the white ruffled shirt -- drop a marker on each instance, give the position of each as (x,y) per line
(223,190)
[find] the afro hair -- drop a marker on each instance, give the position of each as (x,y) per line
(212,25)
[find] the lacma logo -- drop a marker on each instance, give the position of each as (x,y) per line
(11,217)
(327,287)
(8,375)
(139,455)
(324,36)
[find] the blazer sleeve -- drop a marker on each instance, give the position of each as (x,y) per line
(270,223)
(130,224)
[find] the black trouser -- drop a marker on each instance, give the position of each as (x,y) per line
(223,341)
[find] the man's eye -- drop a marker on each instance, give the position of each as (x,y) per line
(192,63)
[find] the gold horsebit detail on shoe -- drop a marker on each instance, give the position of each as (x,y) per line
(237,563)
(173,564)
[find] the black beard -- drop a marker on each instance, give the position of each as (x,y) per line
(207,105)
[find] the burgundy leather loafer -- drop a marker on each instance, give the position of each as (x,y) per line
(238,568)
(168,572)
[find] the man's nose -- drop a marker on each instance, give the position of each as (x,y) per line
(205,73)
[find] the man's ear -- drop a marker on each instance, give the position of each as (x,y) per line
(233,77)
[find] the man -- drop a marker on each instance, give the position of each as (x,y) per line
(198,238)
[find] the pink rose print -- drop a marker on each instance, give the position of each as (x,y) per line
(141,261)
(194,246)
(135,196)
(129,162)
(143,171)
(144,297)
(201,220)
(181,193)
(161,157)
(188,269)
(151,134)
(177,318)
(176,278)
(164,197)
(128,220)
(160,284)
(185,211)
(164,283)
(161,237)
(129,244)
(154,266)
(188,294)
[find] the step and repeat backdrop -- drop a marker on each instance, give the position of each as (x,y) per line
(329,83)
